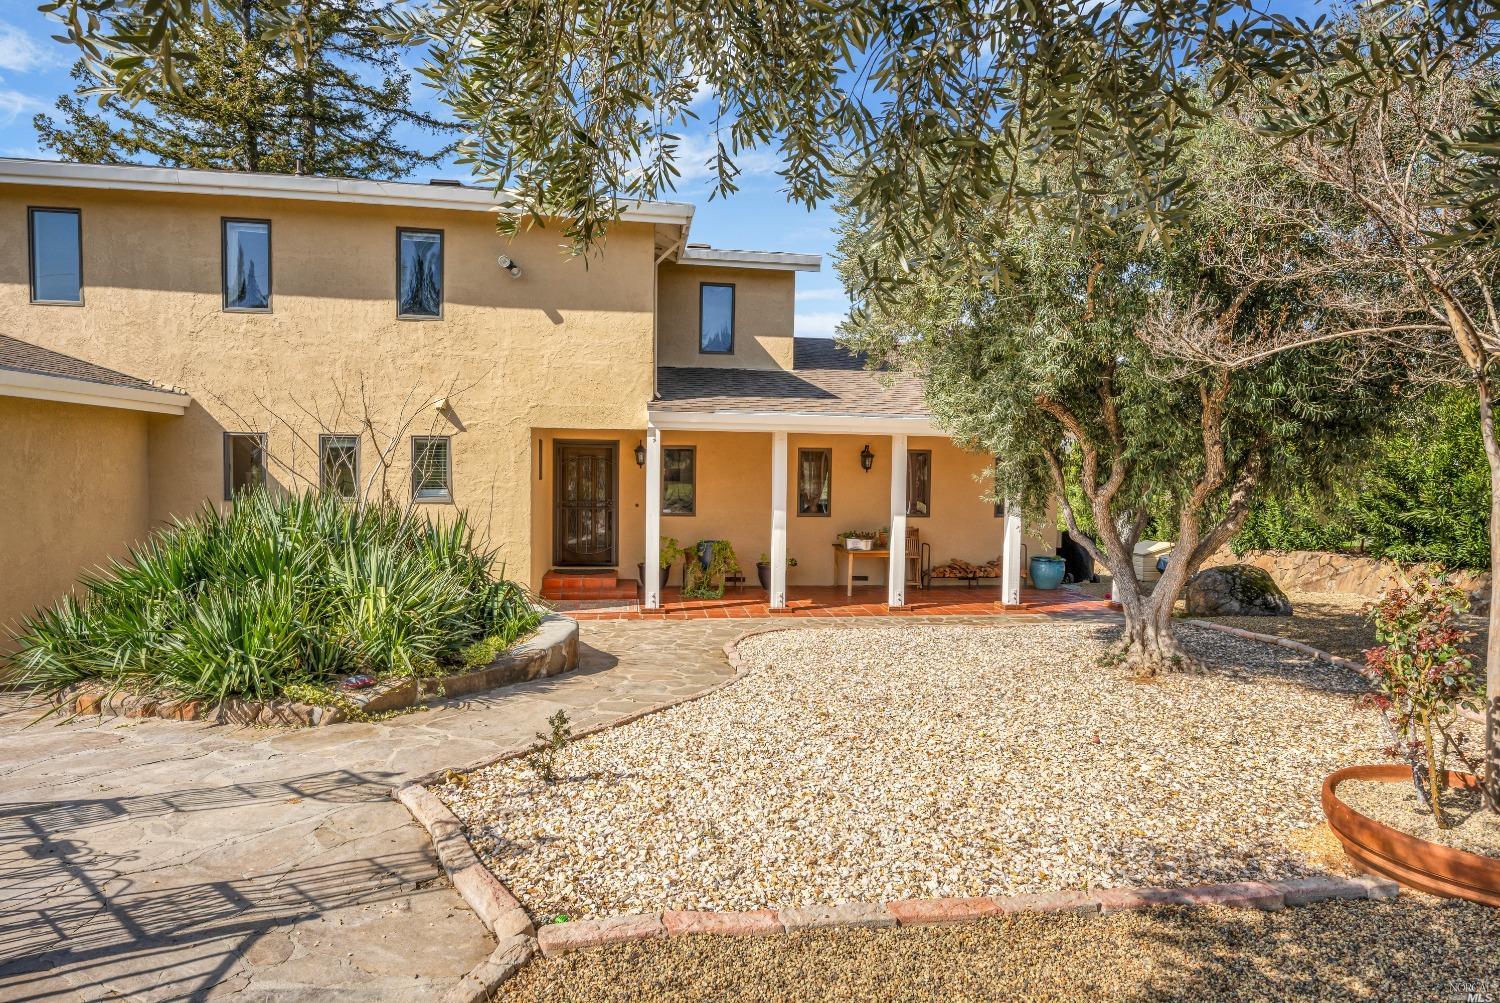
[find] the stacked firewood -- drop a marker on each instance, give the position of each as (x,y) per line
(963,569)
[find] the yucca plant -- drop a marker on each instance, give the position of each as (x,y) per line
(278,591)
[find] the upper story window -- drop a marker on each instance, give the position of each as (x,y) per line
(56,240)
(247,264)
(338,465)
(419,273)
(715,318)
(431,468)
(919,482)
(679,476)
(244,462)
(814,481)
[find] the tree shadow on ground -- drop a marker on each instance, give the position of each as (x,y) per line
(71,910)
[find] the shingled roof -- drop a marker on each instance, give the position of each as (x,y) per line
(24,357)
(825,379)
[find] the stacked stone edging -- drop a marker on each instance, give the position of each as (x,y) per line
(1323,571)
(551,650)
(560,938)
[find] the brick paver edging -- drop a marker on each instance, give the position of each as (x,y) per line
(559,938)
(517,940)
(499,910)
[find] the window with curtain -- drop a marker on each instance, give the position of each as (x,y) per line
(679,476)
(244,462)
(431,468)
(247,264)
(338,464)
(919,482)
(715,318)
(814,481)
(419,273)
(56,255)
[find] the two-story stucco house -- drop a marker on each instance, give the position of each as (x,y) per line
(326,332)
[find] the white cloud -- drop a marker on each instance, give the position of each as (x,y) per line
(20,52)
(14,104)
(817,325)
(695,152)
(819,295)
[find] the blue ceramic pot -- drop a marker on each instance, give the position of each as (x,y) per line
(1047,572)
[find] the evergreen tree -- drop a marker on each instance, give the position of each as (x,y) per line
(325,93)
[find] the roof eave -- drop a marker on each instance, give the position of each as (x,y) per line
(69,390)
(851,423)
(237,184)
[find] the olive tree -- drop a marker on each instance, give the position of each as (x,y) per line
(1057,373)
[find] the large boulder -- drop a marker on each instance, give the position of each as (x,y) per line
(1236,590)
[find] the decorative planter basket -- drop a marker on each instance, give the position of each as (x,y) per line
(850,543)
(1411,860)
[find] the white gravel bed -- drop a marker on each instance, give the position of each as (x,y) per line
(883,762)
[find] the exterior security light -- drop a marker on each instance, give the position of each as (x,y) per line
(866,458)
(510,266)
(640,455)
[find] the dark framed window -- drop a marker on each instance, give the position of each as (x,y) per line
(999,502)
(814,481)
(245,247)
(244,462)
(919,482)
(716,318)
(338,465)
(679,480)
(432,468)
(54,240)
(419,274)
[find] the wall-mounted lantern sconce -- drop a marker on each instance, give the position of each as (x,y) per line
(640,455)
(866,458)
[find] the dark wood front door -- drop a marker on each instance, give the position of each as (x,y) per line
(584,516)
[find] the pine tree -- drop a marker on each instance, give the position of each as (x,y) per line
(325,95)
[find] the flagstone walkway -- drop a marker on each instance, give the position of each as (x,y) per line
(161,860)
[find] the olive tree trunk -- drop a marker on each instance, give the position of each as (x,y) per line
(1492,634)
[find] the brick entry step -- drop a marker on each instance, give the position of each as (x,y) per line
(575,584)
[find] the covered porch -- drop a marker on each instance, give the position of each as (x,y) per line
(784,486)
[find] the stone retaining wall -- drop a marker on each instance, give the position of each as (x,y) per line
(1321,571)
(552,649)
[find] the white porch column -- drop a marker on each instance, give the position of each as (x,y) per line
(652,588)
(778,520)
(1010,571)
(895,578)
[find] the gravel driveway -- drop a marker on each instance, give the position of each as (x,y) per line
(908,761)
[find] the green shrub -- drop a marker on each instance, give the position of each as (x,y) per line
(278,592)
(1424,497)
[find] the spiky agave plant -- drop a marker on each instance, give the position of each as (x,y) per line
(276,591)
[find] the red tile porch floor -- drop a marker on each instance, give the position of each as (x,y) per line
(749,603)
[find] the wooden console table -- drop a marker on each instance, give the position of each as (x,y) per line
(849,556)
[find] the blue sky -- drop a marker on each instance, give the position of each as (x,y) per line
(34,72)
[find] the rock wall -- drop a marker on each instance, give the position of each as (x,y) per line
(1320,571)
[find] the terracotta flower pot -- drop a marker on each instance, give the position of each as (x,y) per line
(1414,862)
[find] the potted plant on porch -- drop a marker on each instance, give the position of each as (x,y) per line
(670,551)
(858,539)
(763,570)
(1422,824)
(708,563)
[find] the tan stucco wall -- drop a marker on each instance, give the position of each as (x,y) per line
(569,344)
(72,495)
(734,502)
(764,305)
